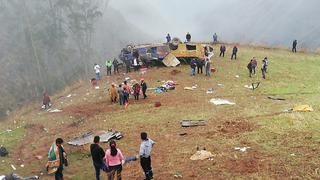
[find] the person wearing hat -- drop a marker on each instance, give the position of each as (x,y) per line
(144,88)
(136,90)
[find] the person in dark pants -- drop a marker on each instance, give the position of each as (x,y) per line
(254,65)
(145,155)
(97,154)
(222,50)
(62,155)
(249,67)
(234,53)
(125,96)
(199,66)
(144,88)
(128,65)
(193,64)
(188,37)
(294,46)
(136,91)
(114,158)
(115,66)
(168,37)
(264,67)
(207,66)
(120,93)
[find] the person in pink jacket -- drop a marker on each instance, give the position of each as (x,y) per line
(114,159)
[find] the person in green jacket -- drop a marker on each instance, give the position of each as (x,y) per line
(109,66)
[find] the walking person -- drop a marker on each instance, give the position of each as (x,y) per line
(193,64)
(264,67)
(115,64)
(207,66)
(145,155)
(114,157)
(109,67)
(222,50)
(96,68)
(234,53)
(56,159)
(294,46)
(144,88)
(97,154)
(136,91)
(199,65)
(113,93)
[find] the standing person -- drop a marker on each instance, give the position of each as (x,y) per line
(109,67)
(56,159)
(113,93)
(294,46)
(199,65)
(97,154)
(188,37)
(249,67)
(115,64)
(193,64)
(125,96)
(168,38)
(254,65)
(222,50)
(234,53)
(136,91)
(128,65)
(264,67)
(136,60)
(114,159)
(46,102)
(145,155)
(121,96)
(144,88)
(207,66)
(96,68)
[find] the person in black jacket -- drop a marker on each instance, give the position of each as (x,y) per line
(234,53)
(97,154)
(199,65)
(188,37)
(294,46)
(144,88)
(222,50)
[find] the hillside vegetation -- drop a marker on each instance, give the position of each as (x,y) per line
(282,145)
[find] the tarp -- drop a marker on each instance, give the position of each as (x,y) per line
(303,108)
(201,155)
(88,137)
(171,61)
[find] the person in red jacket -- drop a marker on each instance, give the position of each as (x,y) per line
(136,91)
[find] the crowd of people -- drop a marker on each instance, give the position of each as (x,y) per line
(253,64)
(110,161)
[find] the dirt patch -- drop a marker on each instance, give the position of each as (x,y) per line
(175,72)
(89,110)
(235,127)
(245,163)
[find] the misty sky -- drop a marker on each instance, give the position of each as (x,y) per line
(274,22)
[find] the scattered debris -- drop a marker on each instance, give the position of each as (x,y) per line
(210,91)
(302,108)
(252,86)
(17,177)
(237,76)
(201,155)
(87,138)
(39,157)
(175,72)
(171,61)
(221,85)
(6,131)
(69,95)
(177,175)
(14,168)
(213,70)
(127,78)
(3,151)
(241,149)
(191,88)
(276,98)
(157,104)
(167,85)
(22,165)
(193,123)
(183,134)
(97,87)
(54,110)
(221,102)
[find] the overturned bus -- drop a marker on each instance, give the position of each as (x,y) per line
(154,54)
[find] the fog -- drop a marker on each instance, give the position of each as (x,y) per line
(271,22)
(49,44)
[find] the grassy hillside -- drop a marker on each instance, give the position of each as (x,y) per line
(283,145)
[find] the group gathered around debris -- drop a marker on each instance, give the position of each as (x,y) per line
(110,161)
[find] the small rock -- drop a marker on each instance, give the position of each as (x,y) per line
(39,157)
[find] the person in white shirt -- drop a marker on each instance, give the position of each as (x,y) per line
(145,155)
(97,71)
